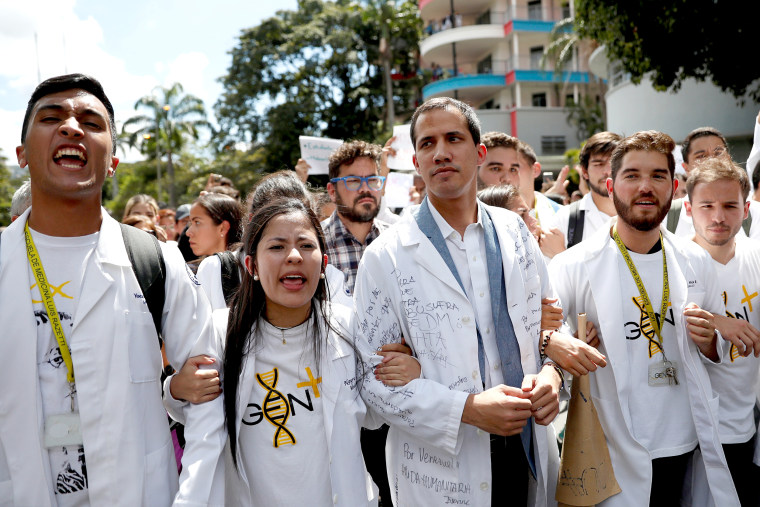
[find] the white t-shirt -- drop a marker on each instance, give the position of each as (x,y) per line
(734,379)
(64,261)
(660,415)
(593,219)
(282,437)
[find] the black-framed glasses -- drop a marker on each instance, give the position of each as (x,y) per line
(354,183)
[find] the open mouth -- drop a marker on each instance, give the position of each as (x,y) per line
(72,158)
(293,282)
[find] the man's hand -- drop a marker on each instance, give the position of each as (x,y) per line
(194,384)
(388,150)
(560,186)
(573,355)
(739,332)
(701,329)
(543,390)
(398,367)
(551,242)
(302,170)
(551,316)
(501,410)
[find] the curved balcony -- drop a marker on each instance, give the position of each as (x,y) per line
(472,42)
(473,88)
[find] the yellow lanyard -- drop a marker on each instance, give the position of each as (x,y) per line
(47,298)
(643,291)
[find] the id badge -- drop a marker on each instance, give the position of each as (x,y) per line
(664,373)
(62,430)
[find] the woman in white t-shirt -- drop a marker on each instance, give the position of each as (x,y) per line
(291,405)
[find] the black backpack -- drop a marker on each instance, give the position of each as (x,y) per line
(148,265)
(230,274)
(575,224)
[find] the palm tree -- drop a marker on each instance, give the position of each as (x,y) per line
(172,118)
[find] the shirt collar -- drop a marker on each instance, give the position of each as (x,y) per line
(443,225)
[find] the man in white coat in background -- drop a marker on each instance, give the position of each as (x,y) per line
(717,204)
(81,417)
(462,283)
(643,289)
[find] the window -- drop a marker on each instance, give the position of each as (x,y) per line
(553,145)
(536,53)
(484,19)
(539,100)
(569,100)
(565,10)
(534,10)
(485,66)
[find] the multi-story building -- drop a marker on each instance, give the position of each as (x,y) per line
(488,53)
(633,107)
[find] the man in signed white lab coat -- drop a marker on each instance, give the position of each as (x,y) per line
(81,417)
(647,293)
(462,283)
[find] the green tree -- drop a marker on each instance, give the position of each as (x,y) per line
(172,118)
(318,70)
(676,40)
(6,191)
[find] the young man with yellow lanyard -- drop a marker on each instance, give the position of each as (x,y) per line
(647,293)
(81,416)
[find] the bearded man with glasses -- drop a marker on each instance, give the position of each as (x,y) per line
(356,189)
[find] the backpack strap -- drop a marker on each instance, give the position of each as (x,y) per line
(576,221)
(148,265)
(230,274)
(674,215)
(747,223)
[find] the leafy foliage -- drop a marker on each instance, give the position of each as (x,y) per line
(587,117)
(319,68)
(676,40)
(176,117)
(6,191)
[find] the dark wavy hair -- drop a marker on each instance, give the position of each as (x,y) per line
(222,207)
(248,307)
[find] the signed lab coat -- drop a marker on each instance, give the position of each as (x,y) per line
(404,288)
(117,362)
(587,279)
(344,415)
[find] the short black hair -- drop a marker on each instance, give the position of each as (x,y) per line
(446,103)
(65,83)
(696,134)
(756,175)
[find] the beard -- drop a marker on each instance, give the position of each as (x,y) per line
(601,191)
(643,224)
(360,213)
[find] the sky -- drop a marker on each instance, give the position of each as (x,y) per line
(131,47)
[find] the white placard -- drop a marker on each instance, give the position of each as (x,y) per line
(404,149)
(316,151)
(397,189)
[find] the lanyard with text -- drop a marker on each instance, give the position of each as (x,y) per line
(47,298)
(643,291)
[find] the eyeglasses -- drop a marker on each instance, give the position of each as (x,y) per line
(354,183)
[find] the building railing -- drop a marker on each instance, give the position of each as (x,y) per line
(450,22)
(467,68)
(537,12)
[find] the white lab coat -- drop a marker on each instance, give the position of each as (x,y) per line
(117,362)
(587,279)
(405,288)
(344,414)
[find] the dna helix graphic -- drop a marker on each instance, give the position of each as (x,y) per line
(276,409)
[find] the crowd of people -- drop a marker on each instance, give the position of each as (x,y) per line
(313,347)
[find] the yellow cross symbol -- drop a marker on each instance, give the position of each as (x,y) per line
(59,290)
(748,298)
(311,383)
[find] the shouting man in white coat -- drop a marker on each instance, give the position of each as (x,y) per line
(644,290)
(82,418)
(462,283)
